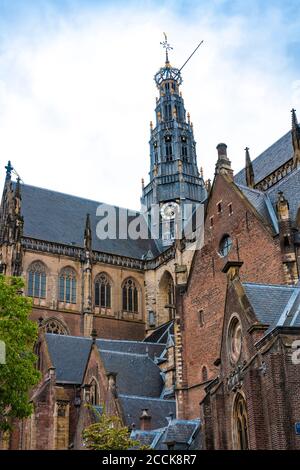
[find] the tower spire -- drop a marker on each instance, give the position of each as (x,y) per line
(249,169)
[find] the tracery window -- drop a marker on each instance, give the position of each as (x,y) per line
(55,327)
(241,423)
(37,280)
(130,296)
(102,291)
(67,286)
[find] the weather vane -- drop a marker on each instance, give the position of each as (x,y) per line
(166,46)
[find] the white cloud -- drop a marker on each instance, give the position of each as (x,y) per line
(77,93)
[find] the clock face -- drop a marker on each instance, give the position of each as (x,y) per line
(169,210)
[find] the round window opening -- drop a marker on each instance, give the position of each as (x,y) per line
(225,245)
(235,340)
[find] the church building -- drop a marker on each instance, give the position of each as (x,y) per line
(183,341)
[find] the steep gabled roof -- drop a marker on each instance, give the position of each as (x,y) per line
(60,218)
(161,333)
(268,161)
(274,305)
(69,355)
(137,374)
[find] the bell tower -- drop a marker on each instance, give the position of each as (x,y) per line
(174,174)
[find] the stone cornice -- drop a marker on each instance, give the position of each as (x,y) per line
(78,254)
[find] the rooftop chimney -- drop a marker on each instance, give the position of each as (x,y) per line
(145,420)
(223,165)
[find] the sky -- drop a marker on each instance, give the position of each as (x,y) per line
(77,91)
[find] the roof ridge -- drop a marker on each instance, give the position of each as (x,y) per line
(128,341)
(140,397)
(124,352)
(269,285)
(68,336)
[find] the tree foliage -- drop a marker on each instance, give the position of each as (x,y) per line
(108,434)
(18,375)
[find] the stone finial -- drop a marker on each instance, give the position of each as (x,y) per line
(145,420)
(9,169)
(208,185)
(189,118)
(143,183)
(295,138)
(249,169)
(88,234)
(294,119)
(151,125)
(201,172)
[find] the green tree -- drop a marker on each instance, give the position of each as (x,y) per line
(108,434)
(18,374)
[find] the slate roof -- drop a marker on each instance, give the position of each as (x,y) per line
(137,347)
(147,438)
(180,431)
(69,355)
(262,203)
(268,161)
(136,373)
(290,186)
(159,409)
(60,218)
(183,433)
(274,305)
(161,333)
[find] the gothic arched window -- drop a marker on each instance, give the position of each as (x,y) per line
(67,286)
(167,112)
(102,291)
(55,327)
(130,296)
(184,151)
(37,280)
(94,393)
(168,148)
(240,423)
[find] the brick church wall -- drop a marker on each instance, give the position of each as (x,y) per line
(256,246)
